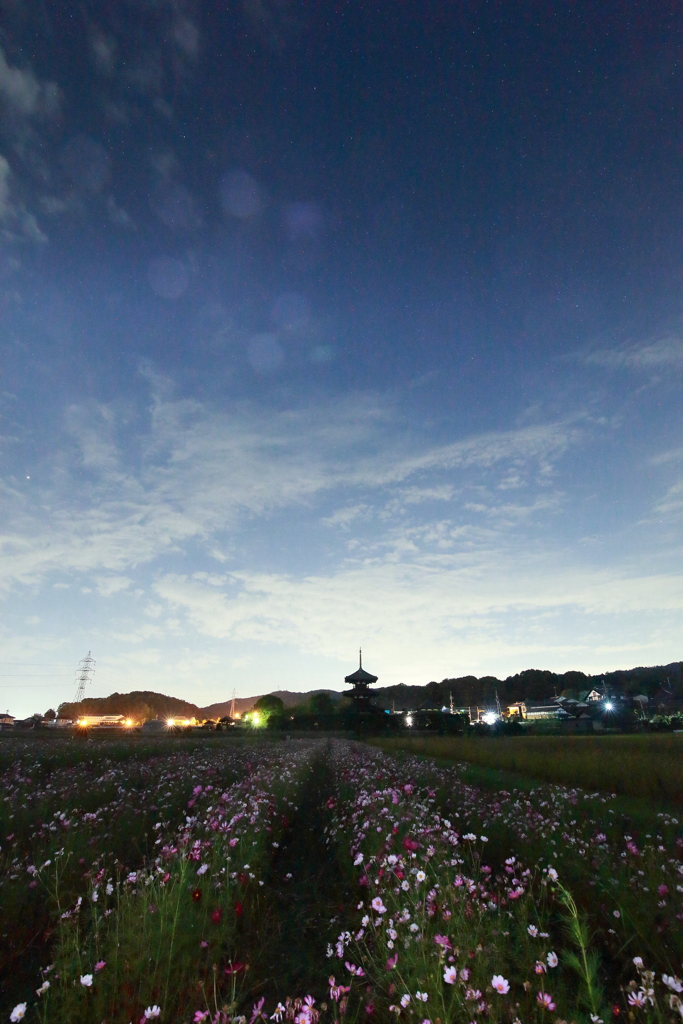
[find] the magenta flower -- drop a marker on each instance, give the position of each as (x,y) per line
(500,984)
(545,1000)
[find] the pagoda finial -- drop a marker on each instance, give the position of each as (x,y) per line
(360,657)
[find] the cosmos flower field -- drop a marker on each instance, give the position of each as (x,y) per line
(306,881)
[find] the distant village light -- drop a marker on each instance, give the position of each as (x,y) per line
(490,717)
(409,720)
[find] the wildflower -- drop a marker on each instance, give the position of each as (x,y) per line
(443,940)
(663,890)
(216,915)
(539,967)
(552,959)
(616,913)
(378,906)
(100,964)
(420,876)
(422,996)
(392,961)
(637,999)
(358,971)
(638,961)
(532,930)
(405,1000)
(256,1011)
(199,1016)
(449,975)
(196,895)
(18,1013)
(234,968)
(152,1011)
(675,984)
(545,1000)
(552,874)
(86,980)
(358,860)
(500,984)
(279,1011)
(202,869)
(43,988)
(595,1019)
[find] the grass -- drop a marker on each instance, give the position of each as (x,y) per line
(644,767)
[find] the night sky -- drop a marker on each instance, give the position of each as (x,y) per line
(338,323)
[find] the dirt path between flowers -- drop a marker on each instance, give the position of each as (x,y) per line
(304,904)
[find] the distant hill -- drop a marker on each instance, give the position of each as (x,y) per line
(531,684)
(145,704)
(140,705)
(243,704)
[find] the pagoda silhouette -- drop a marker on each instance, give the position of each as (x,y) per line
(361,682)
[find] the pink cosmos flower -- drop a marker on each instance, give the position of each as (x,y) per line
(392,961)
(378,906)
(18,1013)
(443,940)
(552,959)
(199,1016)
(545,1000)
(100,964)
(500,984)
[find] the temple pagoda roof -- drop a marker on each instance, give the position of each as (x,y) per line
(360,675)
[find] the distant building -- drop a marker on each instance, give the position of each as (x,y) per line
(98,721)
(529,711)
(6,721)
(361,681)
(154,725)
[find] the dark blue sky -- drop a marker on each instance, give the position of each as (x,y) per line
(335,324)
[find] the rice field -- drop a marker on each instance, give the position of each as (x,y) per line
(311,880)
(643,766)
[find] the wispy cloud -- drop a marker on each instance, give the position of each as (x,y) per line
(201,473)
(465,613)
(664,353)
